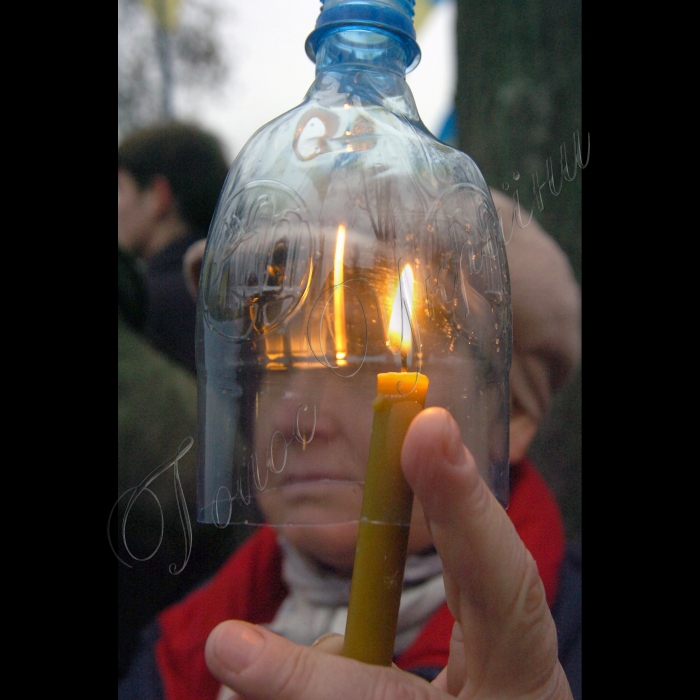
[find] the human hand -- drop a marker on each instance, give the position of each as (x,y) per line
(504,642)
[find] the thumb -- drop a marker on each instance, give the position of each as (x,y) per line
(258,665)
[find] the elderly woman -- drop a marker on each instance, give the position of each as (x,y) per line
(465,557)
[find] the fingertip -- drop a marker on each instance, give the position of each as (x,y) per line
(423,429)
(233,646)
(434,433)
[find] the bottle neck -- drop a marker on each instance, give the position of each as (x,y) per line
(364,67)
(362,48)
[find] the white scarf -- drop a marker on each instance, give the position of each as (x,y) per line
(318,600)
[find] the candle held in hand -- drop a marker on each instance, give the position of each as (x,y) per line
(382,544)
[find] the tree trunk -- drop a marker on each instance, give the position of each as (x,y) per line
(518,111)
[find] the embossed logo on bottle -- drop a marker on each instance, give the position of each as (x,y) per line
(258,264)
(470,286)
(322,131)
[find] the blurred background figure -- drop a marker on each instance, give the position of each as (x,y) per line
(157,410)
(169,178)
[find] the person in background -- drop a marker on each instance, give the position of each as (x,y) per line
(169,177)
(507,620)
(157,411)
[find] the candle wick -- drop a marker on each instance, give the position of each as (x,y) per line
(404,360)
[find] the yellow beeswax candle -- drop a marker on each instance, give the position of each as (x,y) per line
(380,556)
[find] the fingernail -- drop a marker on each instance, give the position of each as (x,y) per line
(325,636)
(238,645)
(452,444)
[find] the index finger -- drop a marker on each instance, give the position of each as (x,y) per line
(470,528)
(506,635)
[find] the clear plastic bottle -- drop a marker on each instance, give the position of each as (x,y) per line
(320,214)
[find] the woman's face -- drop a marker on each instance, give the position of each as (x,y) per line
(314,429)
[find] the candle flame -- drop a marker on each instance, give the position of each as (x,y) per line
(400,323)
(339,298)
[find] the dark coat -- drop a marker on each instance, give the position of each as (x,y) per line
(171,311)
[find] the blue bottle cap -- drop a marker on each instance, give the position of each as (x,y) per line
(394,17)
